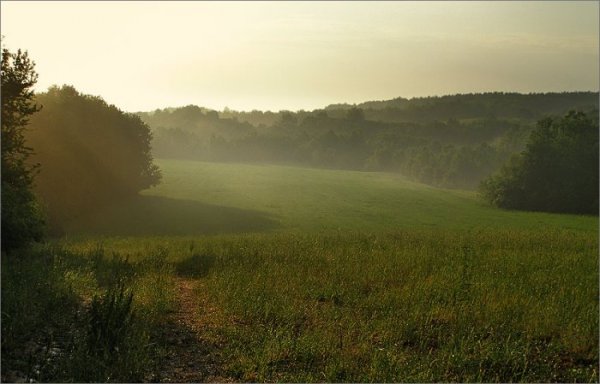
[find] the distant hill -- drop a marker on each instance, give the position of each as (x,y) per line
(530,106)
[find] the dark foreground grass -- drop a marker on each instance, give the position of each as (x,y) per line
(82,316)
(403,306)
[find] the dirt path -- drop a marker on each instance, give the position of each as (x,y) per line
(192,354)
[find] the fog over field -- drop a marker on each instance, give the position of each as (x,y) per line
(300,191)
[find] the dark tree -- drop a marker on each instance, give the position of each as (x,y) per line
(21,218)
(558,171)
(91,153)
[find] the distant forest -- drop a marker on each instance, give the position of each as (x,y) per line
(447,141)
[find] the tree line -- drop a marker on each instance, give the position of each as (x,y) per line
(508,105)
(451,152)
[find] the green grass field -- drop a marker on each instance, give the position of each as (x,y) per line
(321,275)
(209,198)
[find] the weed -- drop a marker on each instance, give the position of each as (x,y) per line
(111,322)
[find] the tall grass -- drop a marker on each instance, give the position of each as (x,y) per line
(409,306)
(415,305)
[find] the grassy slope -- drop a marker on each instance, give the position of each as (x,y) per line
(203,198)
(312,200)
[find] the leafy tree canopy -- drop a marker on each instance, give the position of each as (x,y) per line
(558,171)
(92,153)
(21,217)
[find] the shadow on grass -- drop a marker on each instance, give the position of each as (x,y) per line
(154,215)
(196,266)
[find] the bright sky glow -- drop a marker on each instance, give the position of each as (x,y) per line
(303,55)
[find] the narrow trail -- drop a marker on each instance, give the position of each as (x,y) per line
(192,355)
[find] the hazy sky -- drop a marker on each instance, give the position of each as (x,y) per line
(303,55)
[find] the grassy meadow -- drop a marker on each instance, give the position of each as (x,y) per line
(197,198)
(310,275)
